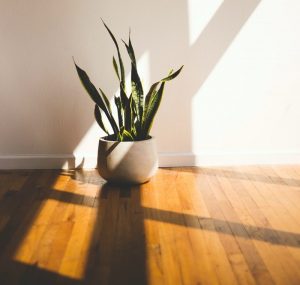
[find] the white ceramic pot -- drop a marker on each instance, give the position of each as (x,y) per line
(127,162)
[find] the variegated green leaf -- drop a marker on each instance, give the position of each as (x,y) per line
(127,136)
(135,115)
(152,110)
(136,84)
(172,75)
(137,91)
(152,91)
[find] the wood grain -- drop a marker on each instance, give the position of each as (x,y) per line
(222,225)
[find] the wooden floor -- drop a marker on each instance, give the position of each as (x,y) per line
(187,226)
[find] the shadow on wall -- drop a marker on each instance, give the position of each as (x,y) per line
(166,42)
(160,29)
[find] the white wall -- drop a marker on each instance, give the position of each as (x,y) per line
(237,100)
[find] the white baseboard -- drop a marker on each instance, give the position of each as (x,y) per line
(166,159)
(226,158)
(45,161)
(248,158)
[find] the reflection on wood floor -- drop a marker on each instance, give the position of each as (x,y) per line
(233,225)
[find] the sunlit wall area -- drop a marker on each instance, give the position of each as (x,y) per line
(247,109)
(236,100)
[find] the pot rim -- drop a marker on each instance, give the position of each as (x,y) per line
(103,139)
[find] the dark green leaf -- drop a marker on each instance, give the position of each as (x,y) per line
(106,101)
(107,105)
(123,96)
(127,114)
(120,137)
(119,54)
(89,87)
(99,120)
(95,96)
(130,51)
(120,112)
(116,67)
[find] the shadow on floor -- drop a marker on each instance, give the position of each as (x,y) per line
(232,174)
(117,253)
(117,247)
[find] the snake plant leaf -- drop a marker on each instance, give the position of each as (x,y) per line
(123,96)
(122,84)
(137,91)
(133,113)
(108,108)
(152,110)
(119,54)
(106,101)
(148,96)
(130,51)
(124,135)
(136,112)
(133,132)
(152,91)
(128,114)
(136,84)
(95,96)
(124,102)
(99,120)
(119,137)
(116,68)
(89,87)
(172,75)
(120,112)
(127,136)
(138,128)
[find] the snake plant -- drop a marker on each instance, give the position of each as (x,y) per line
(136,112)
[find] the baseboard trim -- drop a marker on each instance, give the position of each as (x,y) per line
(166,159)
(228,158)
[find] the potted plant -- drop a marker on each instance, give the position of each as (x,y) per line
(128,153)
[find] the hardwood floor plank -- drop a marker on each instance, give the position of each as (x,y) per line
(225,233)
(261,228)
(218,225)
(255,262)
